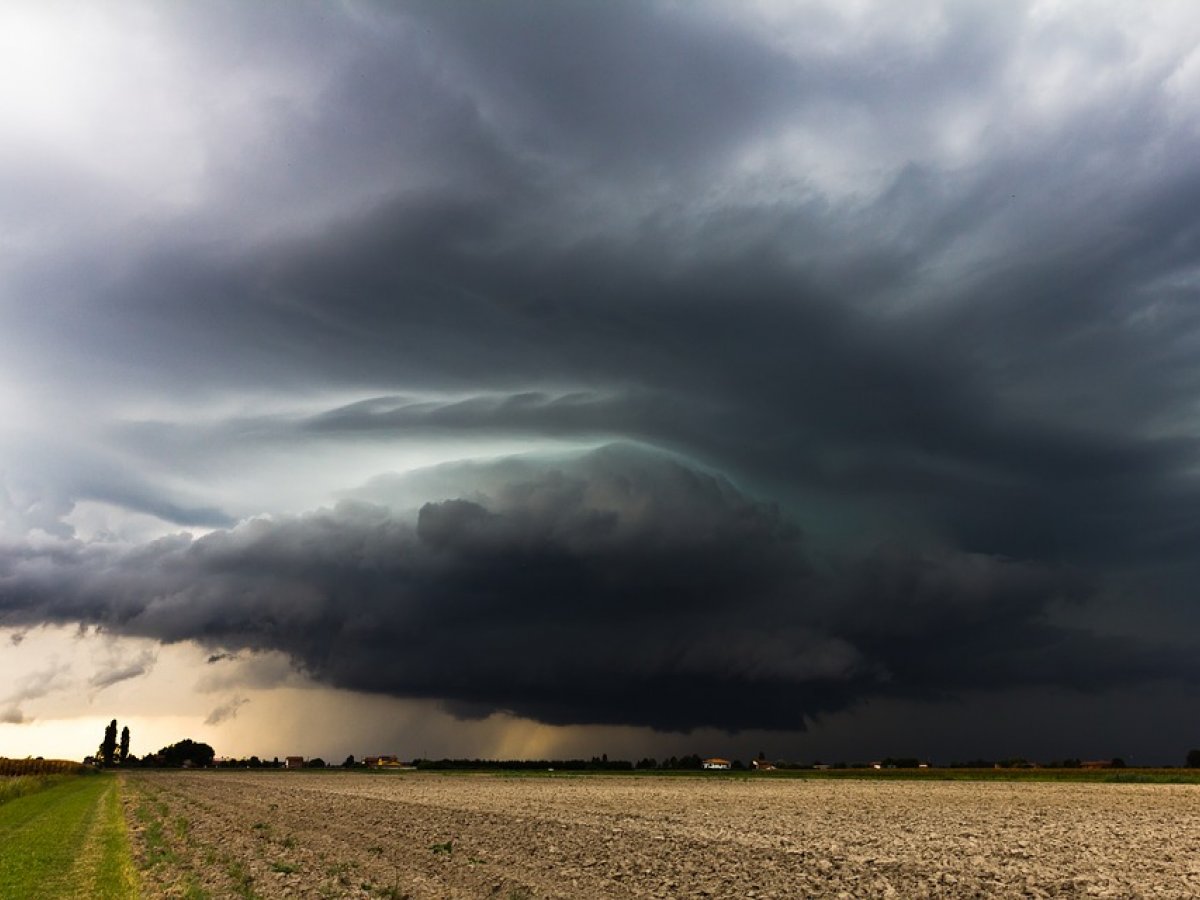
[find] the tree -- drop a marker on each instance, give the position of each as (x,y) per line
(349,763)
(108,747)
(1193,759)
(187,751)
(124,745)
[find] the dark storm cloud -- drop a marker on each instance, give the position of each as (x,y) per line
(988,412)
(793,387)
(620,587)
(889,272)
(526,412)
(623,85)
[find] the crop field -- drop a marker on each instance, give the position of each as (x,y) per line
(338,834)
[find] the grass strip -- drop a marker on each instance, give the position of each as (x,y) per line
(108,862)
(68,840)
(14,786)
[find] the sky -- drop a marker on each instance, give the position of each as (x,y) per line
(644,378)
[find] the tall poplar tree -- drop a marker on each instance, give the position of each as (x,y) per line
(124,746)
(108,749)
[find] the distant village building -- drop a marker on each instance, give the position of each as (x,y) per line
(381,762)
(294,762)
(762,765)
(716,763)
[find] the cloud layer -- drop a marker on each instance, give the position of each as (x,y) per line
(850,278)
(617,587)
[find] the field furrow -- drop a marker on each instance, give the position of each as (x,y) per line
(337,834)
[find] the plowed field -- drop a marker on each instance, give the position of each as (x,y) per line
(337,834)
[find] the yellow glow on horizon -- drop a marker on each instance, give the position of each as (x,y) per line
(51,678)
(75,738)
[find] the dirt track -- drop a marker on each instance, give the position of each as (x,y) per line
(303,834)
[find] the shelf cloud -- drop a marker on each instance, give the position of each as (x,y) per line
(626,363)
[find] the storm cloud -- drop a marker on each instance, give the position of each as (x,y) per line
(635,363)
(616,587)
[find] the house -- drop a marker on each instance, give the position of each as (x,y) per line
(294,762)
(761,765)
(716,763)
(1096,764)
(381,762)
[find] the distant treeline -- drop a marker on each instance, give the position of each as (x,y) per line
(191,753)
(184,754)
(694,762)
(254,762)
(595,764)
(565,765)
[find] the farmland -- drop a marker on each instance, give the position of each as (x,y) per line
(64,836)
(336,834)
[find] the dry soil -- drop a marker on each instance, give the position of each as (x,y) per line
(337,834)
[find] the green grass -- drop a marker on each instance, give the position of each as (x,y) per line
(114,875)
(392,892)
(68,840)
(243,881)
(153,835)
(14,786)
